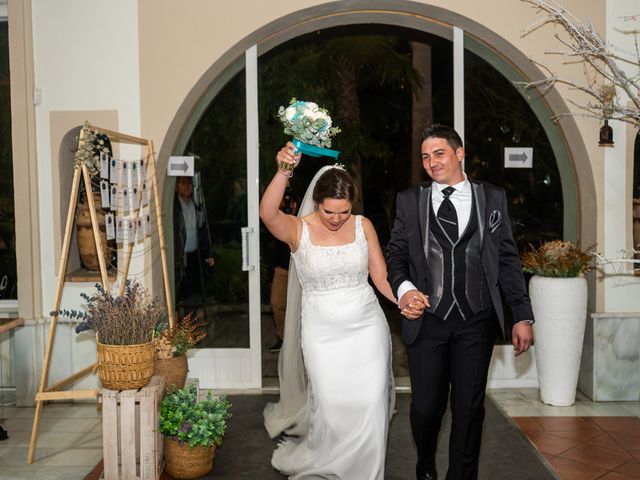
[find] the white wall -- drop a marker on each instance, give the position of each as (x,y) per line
(86,57)
(621,292)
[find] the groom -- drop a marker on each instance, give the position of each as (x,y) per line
(450,248)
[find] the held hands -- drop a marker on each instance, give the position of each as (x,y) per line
(413,304)
(210,261)
(522,337)
(288,158)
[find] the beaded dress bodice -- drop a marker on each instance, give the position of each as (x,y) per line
(327,268)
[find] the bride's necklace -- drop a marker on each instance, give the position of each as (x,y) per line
(324,227)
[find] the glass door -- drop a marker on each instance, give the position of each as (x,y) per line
(229,356)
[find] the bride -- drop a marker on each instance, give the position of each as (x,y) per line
(336,383)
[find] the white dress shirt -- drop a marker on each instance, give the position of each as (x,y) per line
(461,200)
(190,225)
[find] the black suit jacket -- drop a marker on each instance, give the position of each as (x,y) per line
(410,250)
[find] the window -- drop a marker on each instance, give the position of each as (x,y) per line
(8,278)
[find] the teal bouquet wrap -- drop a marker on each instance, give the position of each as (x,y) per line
(310,126)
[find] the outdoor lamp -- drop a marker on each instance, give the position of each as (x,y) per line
(607,95)
(606,135)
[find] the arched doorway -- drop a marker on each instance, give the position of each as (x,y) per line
(465,35)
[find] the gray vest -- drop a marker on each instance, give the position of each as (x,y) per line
(462,279)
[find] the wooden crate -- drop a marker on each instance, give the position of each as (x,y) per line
(131,441)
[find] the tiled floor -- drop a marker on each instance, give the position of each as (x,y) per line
(69,443)
(587,441)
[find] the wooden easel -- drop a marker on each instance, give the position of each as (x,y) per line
(52,392)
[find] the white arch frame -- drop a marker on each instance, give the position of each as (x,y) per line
(421,17)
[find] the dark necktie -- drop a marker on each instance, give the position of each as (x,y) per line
(447,215)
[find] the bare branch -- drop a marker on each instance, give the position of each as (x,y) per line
(603,65)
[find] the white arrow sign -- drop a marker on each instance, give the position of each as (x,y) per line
(180,167)
(518,157)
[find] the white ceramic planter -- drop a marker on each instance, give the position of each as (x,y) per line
(560,309)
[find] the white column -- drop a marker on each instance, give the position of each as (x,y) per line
(458,81)
(253,185)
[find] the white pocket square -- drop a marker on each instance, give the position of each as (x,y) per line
(495,220)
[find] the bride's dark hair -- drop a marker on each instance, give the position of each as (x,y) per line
(334,183)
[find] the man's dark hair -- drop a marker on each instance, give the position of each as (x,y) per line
(437,130)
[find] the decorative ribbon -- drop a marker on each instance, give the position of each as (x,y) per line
(314,151)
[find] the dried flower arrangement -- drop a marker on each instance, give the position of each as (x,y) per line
(129,319)
(556,259)
(88,152)
(186,333)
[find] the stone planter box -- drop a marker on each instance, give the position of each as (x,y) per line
(610,368)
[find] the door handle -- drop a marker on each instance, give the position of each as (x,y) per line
(245,249)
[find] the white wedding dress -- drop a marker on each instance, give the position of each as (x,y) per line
(342,429)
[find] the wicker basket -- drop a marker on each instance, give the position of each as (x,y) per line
(184,462)
(123,367)
(174,370)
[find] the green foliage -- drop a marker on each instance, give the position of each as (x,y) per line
(196,424)
(556,259)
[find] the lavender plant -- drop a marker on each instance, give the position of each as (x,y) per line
(129,319)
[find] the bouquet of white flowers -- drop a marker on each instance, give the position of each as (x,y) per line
(310,126)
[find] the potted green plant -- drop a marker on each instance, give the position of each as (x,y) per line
(124,327)
(192,430)
(171,347)
(558,292)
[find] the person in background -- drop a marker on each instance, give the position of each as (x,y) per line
(191,240)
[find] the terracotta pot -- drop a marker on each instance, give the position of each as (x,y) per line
(174,370)
(86,243)
(184,462)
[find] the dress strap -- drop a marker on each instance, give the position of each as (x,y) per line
(359,231)
(304,234)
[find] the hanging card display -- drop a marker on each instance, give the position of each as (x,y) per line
(113,171)
(114,198)
(119,230)
(109,220)
(139,230)
(104,194)
(104,165)
(133,169)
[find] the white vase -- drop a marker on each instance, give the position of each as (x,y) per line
(560,310)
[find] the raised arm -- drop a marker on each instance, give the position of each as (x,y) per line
(377,265)
(282,226)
